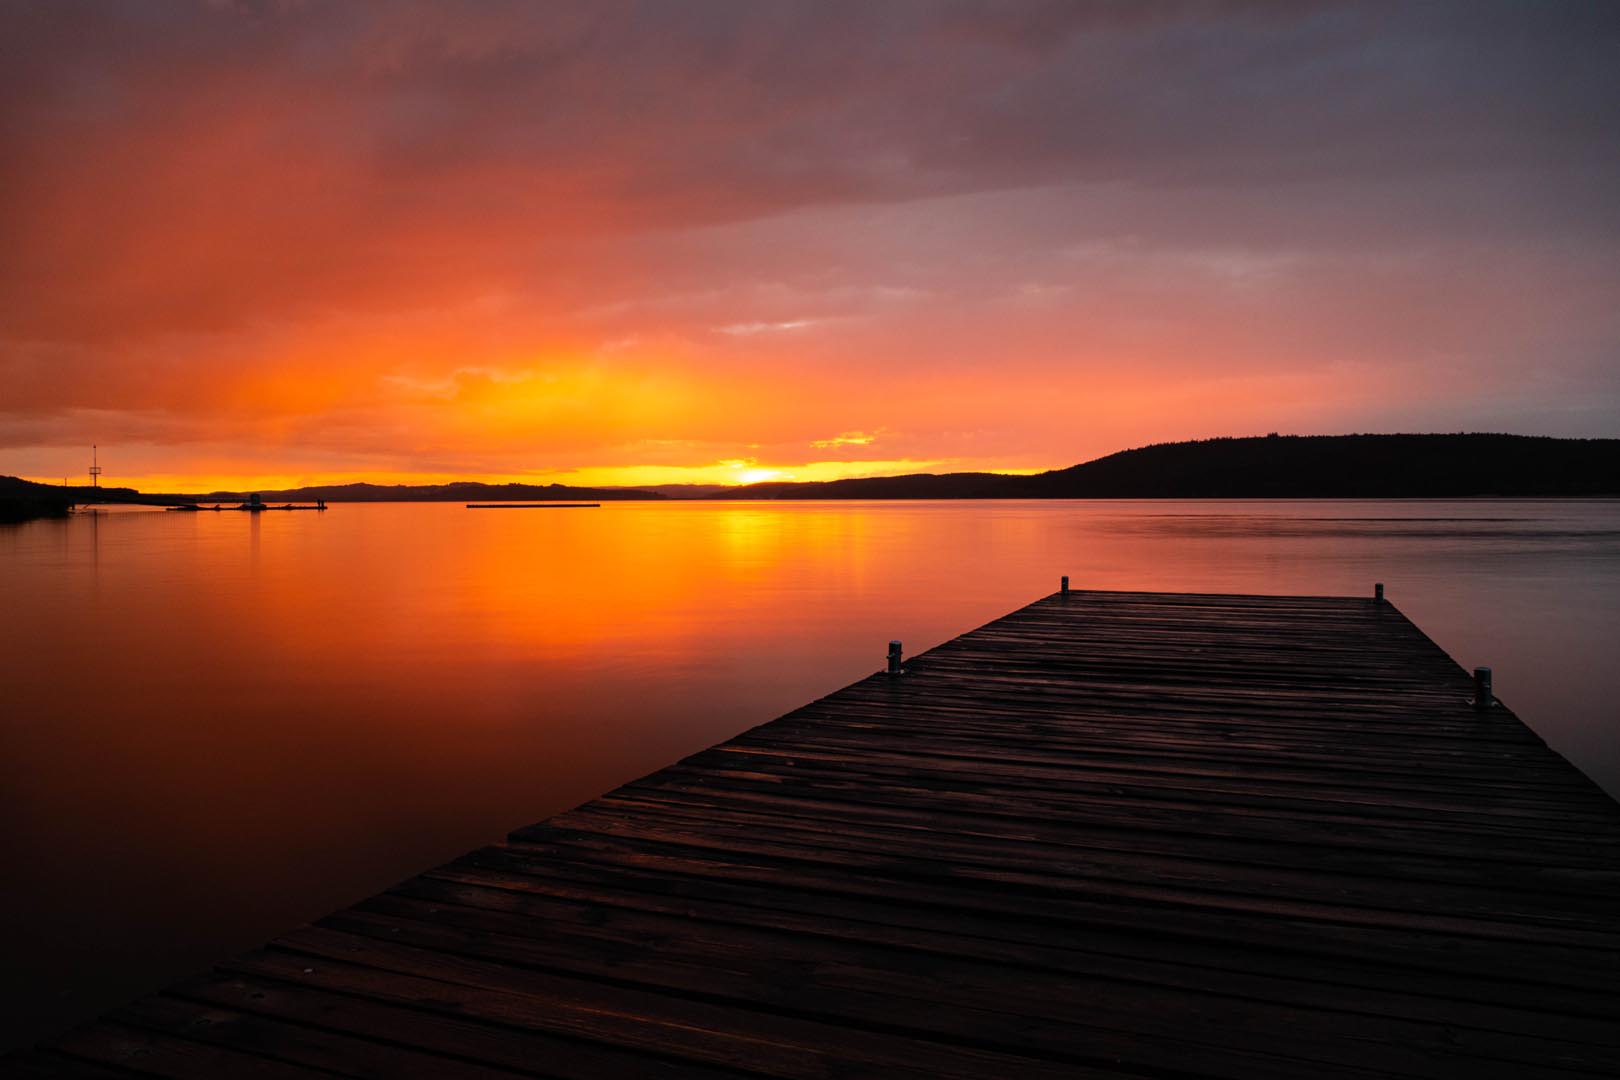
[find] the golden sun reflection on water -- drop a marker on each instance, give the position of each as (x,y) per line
(274,715)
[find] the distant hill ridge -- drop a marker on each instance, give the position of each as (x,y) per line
(1261,467)
(1273,466)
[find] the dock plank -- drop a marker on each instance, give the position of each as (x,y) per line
(1106,835)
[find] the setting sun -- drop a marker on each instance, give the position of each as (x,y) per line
(250,241)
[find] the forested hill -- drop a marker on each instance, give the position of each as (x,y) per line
(1275,466)
(914,486)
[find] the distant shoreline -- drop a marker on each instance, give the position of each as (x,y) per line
(1287,467)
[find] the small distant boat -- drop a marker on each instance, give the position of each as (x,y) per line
(253,504)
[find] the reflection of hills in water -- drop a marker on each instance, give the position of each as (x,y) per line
(1415,528)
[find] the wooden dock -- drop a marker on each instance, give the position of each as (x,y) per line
(1108,835)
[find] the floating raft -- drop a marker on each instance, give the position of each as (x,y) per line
(1108,835)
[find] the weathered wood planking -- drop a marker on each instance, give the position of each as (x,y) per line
(1111,834)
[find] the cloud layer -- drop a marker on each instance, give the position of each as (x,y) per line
(304,240)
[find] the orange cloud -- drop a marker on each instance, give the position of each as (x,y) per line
(251,242)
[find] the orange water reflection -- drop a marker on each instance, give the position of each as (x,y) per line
(219,725)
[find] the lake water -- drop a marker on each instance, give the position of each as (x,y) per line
(214,727)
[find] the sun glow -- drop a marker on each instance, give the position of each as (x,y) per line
(729,473)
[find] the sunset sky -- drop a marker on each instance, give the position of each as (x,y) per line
(261,244)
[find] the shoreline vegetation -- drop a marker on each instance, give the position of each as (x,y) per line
(1258,467)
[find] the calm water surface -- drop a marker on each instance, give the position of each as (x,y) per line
(214,727)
